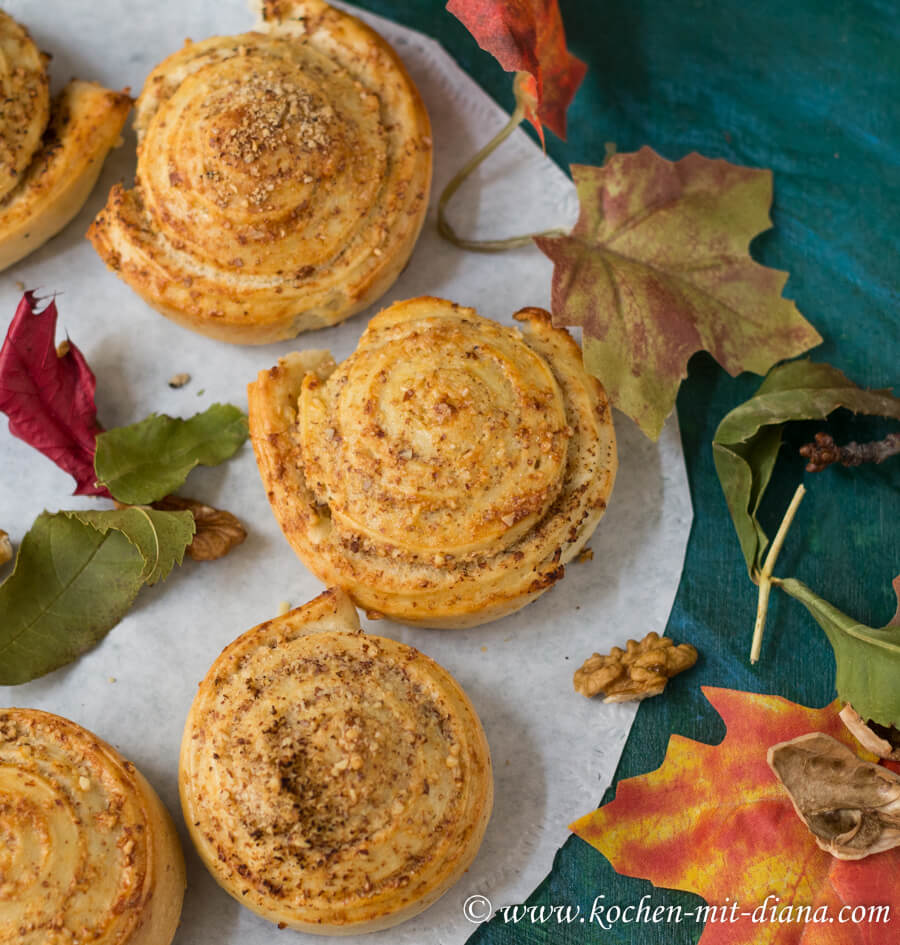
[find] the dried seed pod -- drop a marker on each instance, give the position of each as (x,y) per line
(878,739)
(639,671)
(852,807)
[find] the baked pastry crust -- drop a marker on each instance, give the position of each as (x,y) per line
(444,473)
(86,122)
(333,781)
(283,177)
(25,94)
(51,153)
(89,852)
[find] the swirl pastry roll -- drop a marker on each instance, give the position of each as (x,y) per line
(88,853)
(333,781)
(444,473)
(282,179)
(51,152)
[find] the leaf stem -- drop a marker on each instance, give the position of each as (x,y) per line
(765,575)
(485,246)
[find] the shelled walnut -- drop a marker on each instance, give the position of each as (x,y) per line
(639,671)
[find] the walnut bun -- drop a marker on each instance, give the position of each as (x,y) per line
(282,180)
(444,473)
(51,150)
(333,781)
(88,853)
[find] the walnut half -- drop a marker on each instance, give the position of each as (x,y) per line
(6,548)
(217,532)
(639,671)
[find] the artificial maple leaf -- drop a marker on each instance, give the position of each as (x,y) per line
(714,820)
(49,395)
(657,267)
(527,36)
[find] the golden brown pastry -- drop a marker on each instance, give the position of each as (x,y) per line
(333,781)
(283,178)
(444,473)
(50,153)
(88,853)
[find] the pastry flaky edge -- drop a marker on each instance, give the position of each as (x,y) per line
(273,414)
(333,612)
(122,233)
(157,911)
(57,162)
(85,124)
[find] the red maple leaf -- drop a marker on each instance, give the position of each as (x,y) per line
(49,396)
(714,820)
(528,36)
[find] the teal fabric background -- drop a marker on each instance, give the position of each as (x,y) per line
(811,89)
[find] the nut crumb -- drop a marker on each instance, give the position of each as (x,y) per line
(639,671)
(283,608)
(179,380)
(84,783)
(586,554)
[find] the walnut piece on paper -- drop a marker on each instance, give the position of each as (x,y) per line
(6,548)
(217,532)
(639,671)
(851,806)
(179,380)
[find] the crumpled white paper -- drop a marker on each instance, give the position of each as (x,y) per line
(554,752)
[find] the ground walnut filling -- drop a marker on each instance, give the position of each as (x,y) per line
(446,471)
(75,855)
(283,176)
(326,774)
(322,770)
(437,437)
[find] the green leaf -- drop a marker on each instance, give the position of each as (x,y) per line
(867,658)
(658,267)
(144,462)
(76,576)
(160,537)
(70,587)
(747,440)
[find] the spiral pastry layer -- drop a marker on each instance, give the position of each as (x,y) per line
(26,101)
(282,180)
(333,781)
(447,470)
(51,152)
(88,853)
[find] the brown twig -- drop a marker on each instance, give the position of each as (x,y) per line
(824,451)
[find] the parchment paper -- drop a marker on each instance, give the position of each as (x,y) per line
(554,752)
